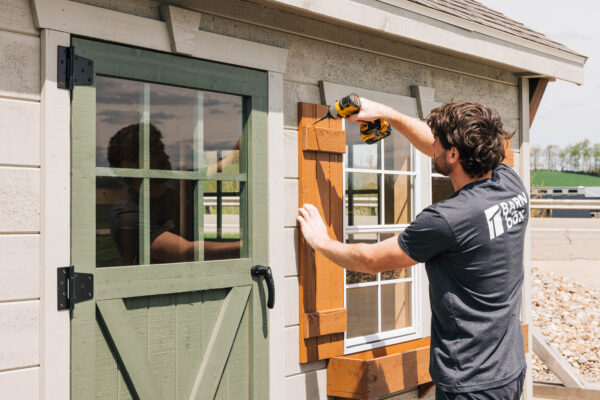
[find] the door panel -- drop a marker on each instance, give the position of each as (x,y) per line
(164,327)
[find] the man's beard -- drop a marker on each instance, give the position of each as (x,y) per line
(440,166)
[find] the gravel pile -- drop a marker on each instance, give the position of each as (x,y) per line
(568,315)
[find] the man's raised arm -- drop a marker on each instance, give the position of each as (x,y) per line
(416,131)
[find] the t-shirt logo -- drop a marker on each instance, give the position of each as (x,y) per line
(513,211)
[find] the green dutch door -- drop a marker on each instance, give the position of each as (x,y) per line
(169,214)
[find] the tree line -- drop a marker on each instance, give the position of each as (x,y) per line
(581,157)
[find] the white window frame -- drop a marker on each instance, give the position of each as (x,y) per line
(386,338)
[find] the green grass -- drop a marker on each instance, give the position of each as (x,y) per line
(558,178)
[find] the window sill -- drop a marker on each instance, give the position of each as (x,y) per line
(375,373)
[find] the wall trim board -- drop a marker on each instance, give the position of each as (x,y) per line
(100,23)
(55,222)
(187,39)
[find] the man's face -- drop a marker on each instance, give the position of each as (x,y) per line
(440,162)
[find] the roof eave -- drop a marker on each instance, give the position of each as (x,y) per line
(427,29)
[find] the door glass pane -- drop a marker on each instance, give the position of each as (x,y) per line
(361,303)
(223,233)
(359,154)
(395,306)
(172,221)
(441,188)
(173,114)
(359,277)
(362,198)
(397,153)
(398,199)
(222,132)
(117,221)
(118,111)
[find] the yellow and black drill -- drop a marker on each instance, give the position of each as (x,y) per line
(370,132)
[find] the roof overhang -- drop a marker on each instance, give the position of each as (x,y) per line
(433,29)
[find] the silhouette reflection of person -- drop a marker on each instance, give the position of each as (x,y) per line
(171,210)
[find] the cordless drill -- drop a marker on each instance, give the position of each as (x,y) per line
(371,131)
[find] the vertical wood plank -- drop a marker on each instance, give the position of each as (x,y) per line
(144,163)
(161,341)
(321,281)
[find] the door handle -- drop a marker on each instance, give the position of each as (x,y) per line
(259,270)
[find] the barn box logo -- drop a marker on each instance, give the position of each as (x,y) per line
(506,214)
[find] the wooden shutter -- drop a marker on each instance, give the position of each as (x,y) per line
(323,318)
(509,157)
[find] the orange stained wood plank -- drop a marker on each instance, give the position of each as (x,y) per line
(509,158)
(325,322)
(320,184)
(324,139)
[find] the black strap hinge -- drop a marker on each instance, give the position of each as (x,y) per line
(73,287)
(73,70)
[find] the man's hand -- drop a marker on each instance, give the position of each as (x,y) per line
(369,111)
(312,226)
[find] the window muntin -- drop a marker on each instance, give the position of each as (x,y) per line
(162,152)
(380,202)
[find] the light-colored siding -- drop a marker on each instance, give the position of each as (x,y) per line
(19,199)
(19,336)
(290,259)
(19,66)
(19,132)
(291,202)
(291,288)
(308,386)
(19,267)
(22,384)
(292,366)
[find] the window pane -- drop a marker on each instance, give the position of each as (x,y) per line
(362,198)
(398,199)
(118,113)
(358,277)
(394,273)
(171,221)
(441,189)
(173,118)
(397,152)
(117,221)
(395,306)
(222,220)
(362,311)
(222,132)
(360,154)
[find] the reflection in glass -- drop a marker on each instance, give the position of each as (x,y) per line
(360,154)
(171,221)
(395,306)
(362,198)
(222,133)
(361,303)
(358,277)
(395,273)
(397,153)
(173,112)
(118,105)
(398,195)
(117,222)
(441,188)
(222,224)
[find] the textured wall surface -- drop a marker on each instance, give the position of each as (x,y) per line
(19,201)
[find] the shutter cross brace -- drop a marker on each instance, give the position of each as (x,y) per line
(73,70)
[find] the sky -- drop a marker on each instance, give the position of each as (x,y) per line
(567,112)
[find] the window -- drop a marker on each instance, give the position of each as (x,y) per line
(380,201)
(441,186)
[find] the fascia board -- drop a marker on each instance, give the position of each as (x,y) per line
(442,35)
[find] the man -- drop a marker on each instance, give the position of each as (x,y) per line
(471,244)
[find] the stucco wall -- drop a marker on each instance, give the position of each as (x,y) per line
(19,201)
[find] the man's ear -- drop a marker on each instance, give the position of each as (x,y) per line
(453,155)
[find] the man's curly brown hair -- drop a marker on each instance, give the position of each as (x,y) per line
(475,130)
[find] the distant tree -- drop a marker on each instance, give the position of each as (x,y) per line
(574,156)
(535,154)
(596,154)
(551,156)
(586,151)
(563,155)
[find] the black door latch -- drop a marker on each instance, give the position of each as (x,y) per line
(259,270)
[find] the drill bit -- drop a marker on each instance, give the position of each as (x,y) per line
(316,122)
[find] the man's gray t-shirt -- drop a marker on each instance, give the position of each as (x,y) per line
(472,247)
